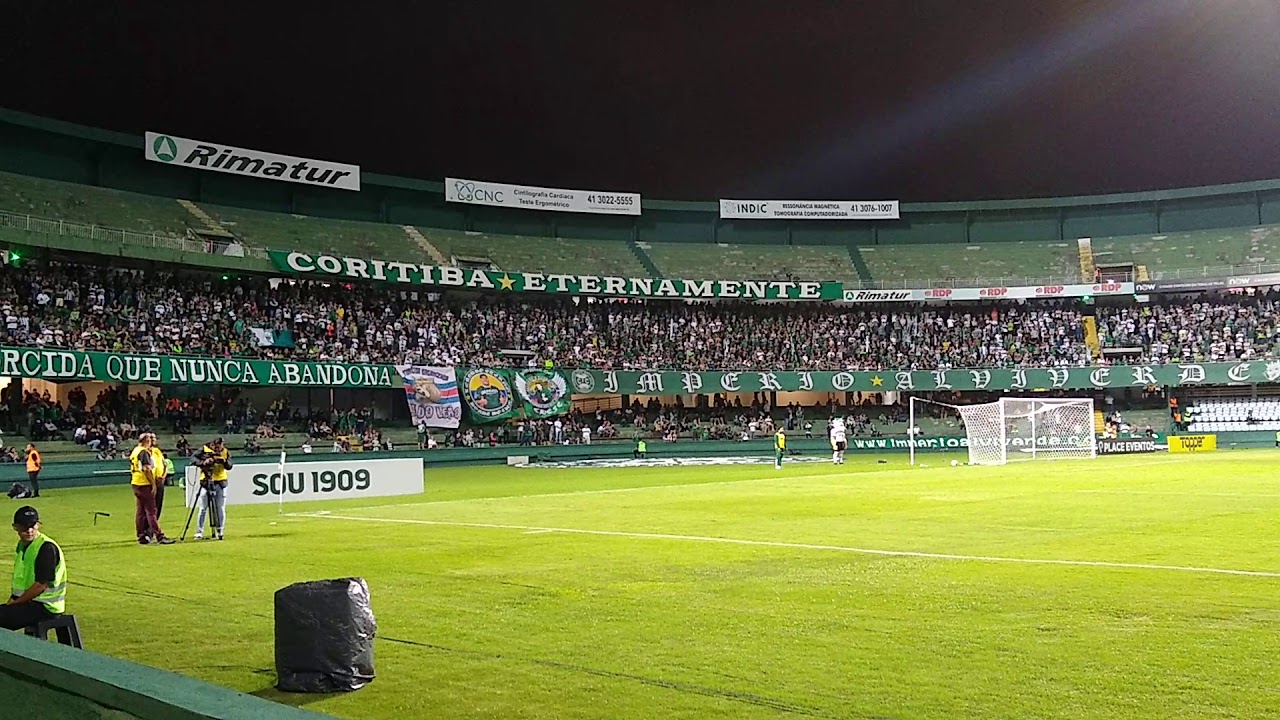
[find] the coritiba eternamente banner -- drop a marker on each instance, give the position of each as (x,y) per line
(668,382)
(494,395)
(182,369)
(444,278)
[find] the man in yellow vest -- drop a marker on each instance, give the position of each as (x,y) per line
(39,589)
(779,448)
(144,479)
(35,464)
(214,460)
(162,470)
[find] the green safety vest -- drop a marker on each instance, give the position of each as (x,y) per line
(168,467)
(24,575)
(640,446)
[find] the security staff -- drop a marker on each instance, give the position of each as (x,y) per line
(39,589)
(34,465)
(779,448)
(143,479)
(163,469)
(213,460)
(1278,438)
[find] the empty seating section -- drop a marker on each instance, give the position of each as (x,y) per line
(540,254)
(279,231)
(753,262)
(1234,414)
(1000,263)
(72,202)
(1165,254)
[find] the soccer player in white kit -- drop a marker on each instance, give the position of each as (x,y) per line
(839,441)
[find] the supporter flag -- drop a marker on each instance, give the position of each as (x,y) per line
(488,395)
(543,393)
(432,394)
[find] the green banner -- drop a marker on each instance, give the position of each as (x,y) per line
(496,395)
(543,393)
(670,382)
(330,266)
(67,365)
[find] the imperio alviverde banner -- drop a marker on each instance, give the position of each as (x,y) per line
(182,370)
(296,263)
(669,382)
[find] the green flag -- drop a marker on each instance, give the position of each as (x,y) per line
(487,394)
(543,393)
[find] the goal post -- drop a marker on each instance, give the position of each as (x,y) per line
(1012,429)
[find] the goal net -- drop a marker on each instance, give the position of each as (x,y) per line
(1026,429)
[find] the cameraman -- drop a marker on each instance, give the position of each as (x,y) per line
(214,461)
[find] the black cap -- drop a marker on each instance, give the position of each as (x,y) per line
(26,517)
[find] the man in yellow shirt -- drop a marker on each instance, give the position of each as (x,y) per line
(144,479)
(162,469)
(779,448)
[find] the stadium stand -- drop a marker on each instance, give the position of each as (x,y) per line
(532,254)
(56,200)
(312,234)
(1213,415)
(1207,329)
(1169,254)
(754,262)
(955,264)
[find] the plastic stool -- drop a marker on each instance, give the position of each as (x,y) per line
(65,626)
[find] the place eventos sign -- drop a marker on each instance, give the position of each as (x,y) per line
(529,197)
(809,209)
(1029,292)
(239,161)
(69,365)
(1116,446)
(446,278)
(672,382)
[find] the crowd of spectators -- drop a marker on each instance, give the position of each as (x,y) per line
(1229,327)
(94,308)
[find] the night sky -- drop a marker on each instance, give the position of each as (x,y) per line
(911,100)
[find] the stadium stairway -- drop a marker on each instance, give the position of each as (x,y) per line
(1140,273)
(421,241)
(1086,259)
(208,225)
(1091,339)
(644,258)
(859,264)
(1099,422)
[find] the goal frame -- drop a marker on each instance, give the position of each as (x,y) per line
(1038,407)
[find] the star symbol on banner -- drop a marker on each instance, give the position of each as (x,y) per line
(877,381)
(507,282)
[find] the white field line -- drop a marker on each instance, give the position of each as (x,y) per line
(1187,493)
(802,546)
(714,483)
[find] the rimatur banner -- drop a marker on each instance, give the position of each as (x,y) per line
(996,292)
(530,197)
(263,483)
(202,155)
(809,209)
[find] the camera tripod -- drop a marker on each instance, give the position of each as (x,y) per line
(213,512)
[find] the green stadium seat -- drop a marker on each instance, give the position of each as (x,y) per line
(281,231)
(540,254)
(1198,251)
(753,262)
(55,200)
(997,263)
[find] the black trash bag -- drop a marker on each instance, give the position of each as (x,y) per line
(324,636)
(18,491)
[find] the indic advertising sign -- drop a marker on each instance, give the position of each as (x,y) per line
(263,483)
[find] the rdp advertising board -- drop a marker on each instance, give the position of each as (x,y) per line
(262,483)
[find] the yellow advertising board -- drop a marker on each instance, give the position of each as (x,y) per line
(1192,443)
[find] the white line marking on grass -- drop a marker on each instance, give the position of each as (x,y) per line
(537,532)
(1190,493)
(806,546)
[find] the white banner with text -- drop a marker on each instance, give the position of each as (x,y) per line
(262,483)
(809,209)
(1029,292)
(529,197)
(203,155)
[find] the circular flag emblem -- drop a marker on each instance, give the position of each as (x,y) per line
(583,381)
(488,393)
(164,148)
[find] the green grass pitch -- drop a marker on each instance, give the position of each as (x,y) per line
(1136,587)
